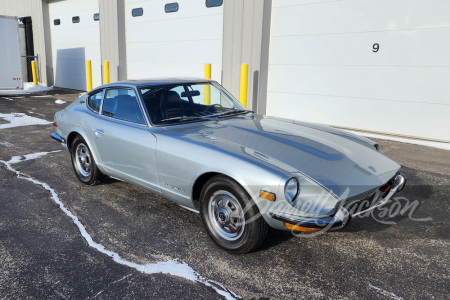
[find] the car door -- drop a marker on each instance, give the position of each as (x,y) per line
(125,145)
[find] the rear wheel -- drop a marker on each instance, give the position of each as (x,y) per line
(230,216)
(83,162)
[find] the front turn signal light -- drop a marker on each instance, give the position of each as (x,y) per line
(300,228)
(267,195)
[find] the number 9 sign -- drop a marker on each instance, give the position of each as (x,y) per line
(376,47)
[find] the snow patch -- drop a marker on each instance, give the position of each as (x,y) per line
(28,88)
(439,145)
(171,267)
(59,101)
(20,158)
(20,119)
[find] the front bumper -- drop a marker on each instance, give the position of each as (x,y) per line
(342,216)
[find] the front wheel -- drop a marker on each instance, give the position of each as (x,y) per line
(83,162)
(230,216)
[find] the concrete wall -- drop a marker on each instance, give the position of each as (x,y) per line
(246,37)
(112,33)
(33,9)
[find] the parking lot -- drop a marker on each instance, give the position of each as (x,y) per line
(397,253)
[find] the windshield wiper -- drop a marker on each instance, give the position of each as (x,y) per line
(234,112)
(183,118)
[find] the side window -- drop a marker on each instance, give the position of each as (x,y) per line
(95,101)
(123,104)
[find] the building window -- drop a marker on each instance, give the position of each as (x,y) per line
(56,22)
(76,19)
(96,17)
(137,12)
(171,7)
(214,3)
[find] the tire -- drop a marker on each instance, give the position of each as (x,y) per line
(230,216)
(83,162)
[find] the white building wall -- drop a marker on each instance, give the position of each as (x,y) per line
(323,68)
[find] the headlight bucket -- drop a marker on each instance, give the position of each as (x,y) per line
(291,189)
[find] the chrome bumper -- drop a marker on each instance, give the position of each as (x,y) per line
(58,138)
(342,216)
(398,184)
(338,221)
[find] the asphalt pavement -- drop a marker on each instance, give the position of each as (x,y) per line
(401,252)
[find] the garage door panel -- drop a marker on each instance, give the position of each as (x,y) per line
(352,113)
(367,15)
(398,48)
(155,69)
(323,67)
(407,84)
(173,44)
(188,29)
(200,51)
(154,10)
(74,43)
(80,36)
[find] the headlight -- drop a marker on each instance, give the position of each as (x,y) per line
(291,189)
(307,198)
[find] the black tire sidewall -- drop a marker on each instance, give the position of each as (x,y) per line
(251,235)
(91,179)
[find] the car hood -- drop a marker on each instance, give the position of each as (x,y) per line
(343,162)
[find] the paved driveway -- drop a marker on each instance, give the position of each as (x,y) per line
(399,252)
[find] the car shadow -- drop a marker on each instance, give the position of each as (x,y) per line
(417,201)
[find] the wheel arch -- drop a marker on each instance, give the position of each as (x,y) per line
(203,179)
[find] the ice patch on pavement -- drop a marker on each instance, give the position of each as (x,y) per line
(59,101)
(28,88)
(20,119)
(386,293)
(20,158)
(439,145)
(171,267)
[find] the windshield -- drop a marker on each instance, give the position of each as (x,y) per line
(170,104)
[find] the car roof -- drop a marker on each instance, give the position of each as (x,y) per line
(155,82)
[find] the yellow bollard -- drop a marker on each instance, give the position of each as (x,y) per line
(89,75)
(207,87)
(244,85)
(33,69)
(106,71)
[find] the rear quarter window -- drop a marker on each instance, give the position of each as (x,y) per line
(95,101)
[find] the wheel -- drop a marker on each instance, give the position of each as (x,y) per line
(230,216)
(83,162)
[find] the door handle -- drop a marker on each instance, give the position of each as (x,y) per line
(98,132)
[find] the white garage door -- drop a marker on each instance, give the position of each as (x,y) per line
(178,43)
(74,43)
(381,66)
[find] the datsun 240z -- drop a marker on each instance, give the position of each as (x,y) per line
(192,142)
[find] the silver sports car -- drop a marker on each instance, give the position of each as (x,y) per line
(192,142)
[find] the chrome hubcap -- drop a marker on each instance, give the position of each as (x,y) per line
(83,160)
(226,215)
